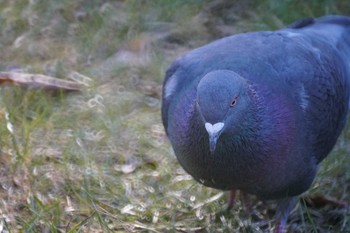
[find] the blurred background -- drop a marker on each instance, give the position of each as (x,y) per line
(98,160)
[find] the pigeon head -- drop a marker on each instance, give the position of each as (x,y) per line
(223,101)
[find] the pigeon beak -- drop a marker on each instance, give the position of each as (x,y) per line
(214,132)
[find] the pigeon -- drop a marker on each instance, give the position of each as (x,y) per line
(257,112)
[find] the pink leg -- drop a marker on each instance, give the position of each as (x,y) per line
(280,227)
(247,205)
(231,199)
(284,207)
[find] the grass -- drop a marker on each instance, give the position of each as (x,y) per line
(99,161)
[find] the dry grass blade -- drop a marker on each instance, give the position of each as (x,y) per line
(38,81)
(209,200)
(193,229)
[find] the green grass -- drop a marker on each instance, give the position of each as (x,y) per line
(99,160)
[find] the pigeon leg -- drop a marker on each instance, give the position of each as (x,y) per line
(284,207)
(231,199)
(244,197)
(247,205)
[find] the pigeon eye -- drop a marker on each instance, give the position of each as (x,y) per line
(234,101)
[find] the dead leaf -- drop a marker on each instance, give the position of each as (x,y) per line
(321,201)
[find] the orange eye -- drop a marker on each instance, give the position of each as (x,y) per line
(234,101)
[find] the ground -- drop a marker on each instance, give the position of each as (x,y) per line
(99,160)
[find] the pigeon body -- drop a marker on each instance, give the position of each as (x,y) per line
(259,111)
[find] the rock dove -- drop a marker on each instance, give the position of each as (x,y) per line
(257,112)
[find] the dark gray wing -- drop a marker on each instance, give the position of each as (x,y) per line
(327,93)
